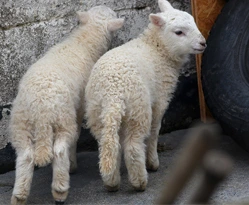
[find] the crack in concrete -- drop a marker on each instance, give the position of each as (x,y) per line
(6,187)
(133,8)
(5,28)
(6,184)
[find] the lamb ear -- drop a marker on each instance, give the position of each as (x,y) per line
(164,5)
(83,16)
(115,24)
(157,20)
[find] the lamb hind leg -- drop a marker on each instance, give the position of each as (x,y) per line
(110,152)
(112,181)
(134,154)
(134,151)
(24,175)
(61,164)
(105,132)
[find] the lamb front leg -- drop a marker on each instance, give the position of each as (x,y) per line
(152,161)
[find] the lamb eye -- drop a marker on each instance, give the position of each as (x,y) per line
(178,33)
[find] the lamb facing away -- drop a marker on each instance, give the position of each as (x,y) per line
(129,90)
(48,110)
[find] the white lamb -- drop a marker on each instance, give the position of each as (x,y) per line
(48,110)
(130,88)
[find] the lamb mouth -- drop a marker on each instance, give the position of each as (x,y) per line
(200,50)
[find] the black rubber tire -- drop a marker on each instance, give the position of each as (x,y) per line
(225,71)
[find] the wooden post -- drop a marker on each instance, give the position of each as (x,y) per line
(203,138)
(205,14)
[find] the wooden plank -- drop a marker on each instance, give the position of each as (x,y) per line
(205,14)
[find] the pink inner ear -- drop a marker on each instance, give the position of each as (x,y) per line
(156,20)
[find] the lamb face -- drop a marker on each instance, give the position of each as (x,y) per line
(177,30)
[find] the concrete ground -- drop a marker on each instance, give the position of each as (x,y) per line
(87,187)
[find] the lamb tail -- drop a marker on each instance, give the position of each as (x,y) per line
(43,144)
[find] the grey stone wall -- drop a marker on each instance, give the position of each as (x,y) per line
(28,28)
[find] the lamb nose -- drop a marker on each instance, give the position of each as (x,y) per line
(203,44)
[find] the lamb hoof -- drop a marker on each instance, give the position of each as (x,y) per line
(139,189)
(59,197)
(112,188)
(152,168)
(17,201)
(59,202)
(73,170)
